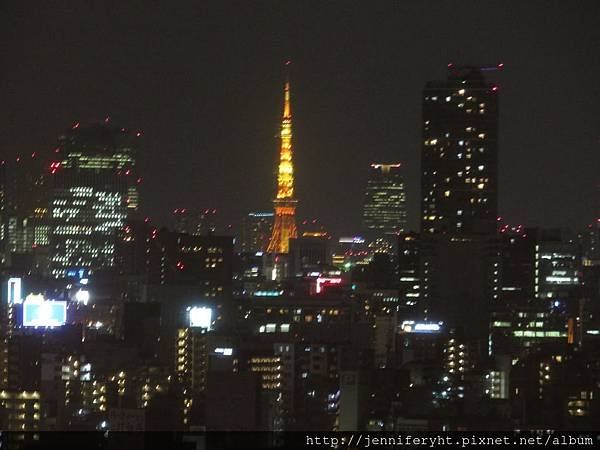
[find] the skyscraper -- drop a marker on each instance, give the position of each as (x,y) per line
(93,193)
(384,210)
(256,231)
(23,190)
(284,227)
(459,160)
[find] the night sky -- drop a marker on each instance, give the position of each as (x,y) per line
(204,82)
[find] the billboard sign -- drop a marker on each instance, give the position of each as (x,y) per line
(38,312)
(410,326)
(14,291)
(200,317)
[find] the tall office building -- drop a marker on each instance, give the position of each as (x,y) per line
(284,227)
(23,206)
(459,160)
(256,231)
(384,210)
(93,193)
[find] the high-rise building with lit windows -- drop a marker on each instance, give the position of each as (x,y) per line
(93,192)
(385,200)
(459,160)
(256,231)
(24,227)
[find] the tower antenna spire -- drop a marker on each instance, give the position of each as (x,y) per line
(287,110)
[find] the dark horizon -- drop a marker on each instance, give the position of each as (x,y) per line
(205,85)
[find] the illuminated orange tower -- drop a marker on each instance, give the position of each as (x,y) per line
(284,226)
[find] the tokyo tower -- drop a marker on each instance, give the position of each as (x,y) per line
(284,226)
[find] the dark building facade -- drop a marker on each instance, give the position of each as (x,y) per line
(256,231)
(459,159)
(196,222)
(24,212)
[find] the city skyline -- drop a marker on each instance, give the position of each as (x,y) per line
(295,218)
(371,109)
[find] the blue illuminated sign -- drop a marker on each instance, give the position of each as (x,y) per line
(44,314)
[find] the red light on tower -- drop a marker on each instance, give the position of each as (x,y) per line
(494,88)
(501,66)
(450,65)
(76,125)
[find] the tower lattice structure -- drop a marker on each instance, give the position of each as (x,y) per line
(284,226)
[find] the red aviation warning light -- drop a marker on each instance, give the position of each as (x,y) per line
(54,166)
